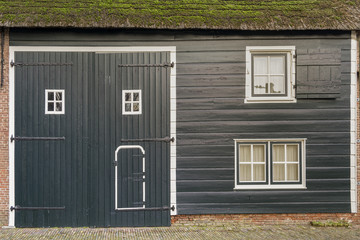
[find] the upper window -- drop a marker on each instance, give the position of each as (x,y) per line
(54,101)
(262,164)
(270,74)
(131,103)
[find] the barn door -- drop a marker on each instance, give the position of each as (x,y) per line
(73,111)
(130,124)
(51,138)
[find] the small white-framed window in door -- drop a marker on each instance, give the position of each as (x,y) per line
(131,104)
(54,101)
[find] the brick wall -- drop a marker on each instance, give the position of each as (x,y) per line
(301,218)
(4,133)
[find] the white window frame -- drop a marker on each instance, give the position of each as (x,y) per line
(132,112)
(289,51)
(270,184)
(62,101)
(252,163)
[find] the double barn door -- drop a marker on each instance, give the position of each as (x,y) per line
(92,139)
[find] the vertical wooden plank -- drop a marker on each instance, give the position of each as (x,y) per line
(146,133)
(36,119)
(141,124)
(113,131)
(102,96)
(93,167)
(46,163)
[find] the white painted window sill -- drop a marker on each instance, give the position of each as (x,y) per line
(270,100)
(268,187)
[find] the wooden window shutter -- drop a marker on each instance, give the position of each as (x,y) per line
(318,73)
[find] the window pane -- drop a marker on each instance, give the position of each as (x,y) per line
(259,172)
(127,107)
(245,153)
(245,172)
(50,96)
(279,172)
(292,172)
(136,96)
(277,84)
(58,106)
(127,97)
(260,84)
(260,65)
(292,153)
(258,154)
(59,96)
(136,107)
(51,107)
(277,64)
(278,153)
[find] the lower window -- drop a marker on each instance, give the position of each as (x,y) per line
(269,163)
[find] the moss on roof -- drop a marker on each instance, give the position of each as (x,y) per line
(183,14)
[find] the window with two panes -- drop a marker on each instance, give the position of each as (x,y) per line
(269,163)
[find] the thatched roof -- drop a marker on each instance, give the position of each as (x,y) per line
(183,14)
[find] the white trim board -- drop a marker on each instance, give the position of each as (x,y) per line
(353,123)
(13,49)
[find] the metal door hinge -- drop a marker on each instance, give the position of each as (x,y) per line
(17,207)
(20,64)
(172,64)
(17,138)
(165,139)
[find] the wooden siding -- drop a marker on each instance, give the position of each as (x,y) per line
(211,113)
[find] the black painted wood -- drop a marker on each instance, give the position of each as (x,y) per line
(319,73)
(211,113)
(79,173)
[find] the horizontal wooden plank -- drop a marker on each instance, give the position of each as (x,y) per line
(228,185)
(205,162)
(210,57)
(319,56)
(228,173)
(263,126)
(210,80)
(263,196)
(238,103)
(328,149)
(114,34)
(228,150)
(211,68)
(328,184)
(210,92)
(228,138)
(327,173)
(281,207)
(228,161)
(318,95)
(327,160)
(205,174)
(262,114)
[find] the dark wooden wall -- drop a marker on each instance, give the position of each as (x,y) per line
(211,113)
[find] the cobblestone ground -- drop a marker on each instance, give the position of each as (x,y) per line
(189,232)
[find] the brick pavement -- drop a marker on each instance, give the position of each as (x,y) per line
(262,232)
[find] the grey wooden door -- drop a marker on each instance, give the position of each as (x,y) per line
(68,178)
(130,102)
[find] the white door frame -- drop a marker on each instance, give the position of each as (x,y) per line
(116,175)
